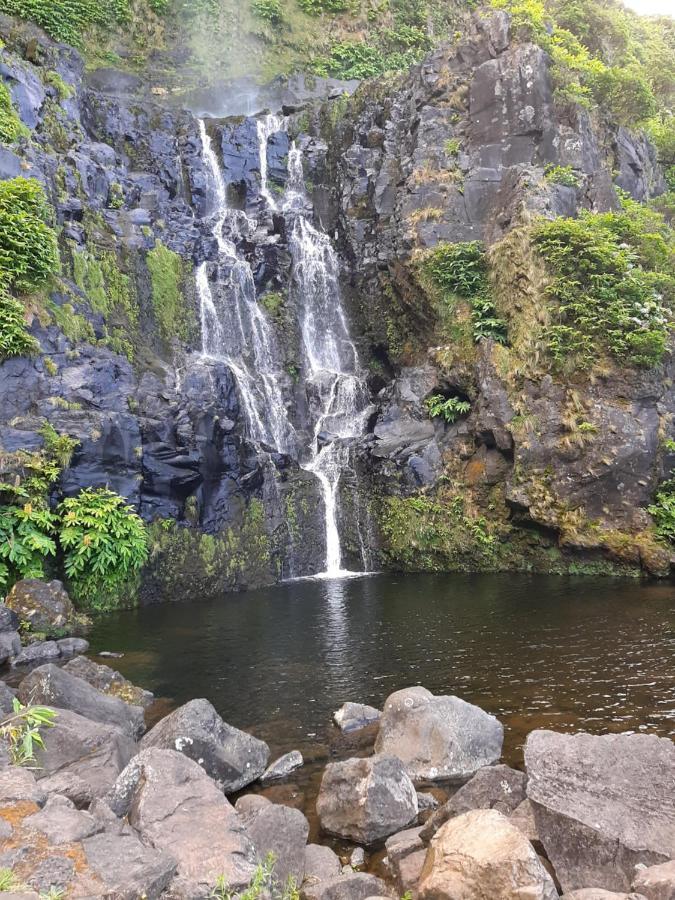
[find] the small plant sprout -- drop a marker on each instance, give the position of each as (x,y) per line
(21,730)
(448,408)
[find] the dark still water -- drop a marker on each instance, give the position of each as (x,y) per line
(561,653)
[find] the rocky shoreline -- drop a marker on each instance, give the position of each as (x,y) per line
(111,809)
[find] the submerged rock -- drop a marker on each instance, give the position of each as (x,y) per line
(480,854)
(602,805)
(54,686)
(282,767)
(366,800)
(353,716)
(230,756)
(176,808)
(438,738)
(493,787)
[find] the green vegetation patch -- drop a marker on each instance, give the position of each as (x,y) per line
(448,408)
(613,283)
(173,316)
(663,511)
(67,20)
(461,270)
(11,126)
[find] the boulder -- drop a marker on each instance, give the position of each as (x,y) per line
(67,784)
(280,830)
(282,767)
(108,681)
(406,854)
(18,785)
(44,605)
(10,645)
(354,886)
(230,756)
(89,750)
(602,804)
(523,818)
(600,894)
(7,695)
(128,868)
(321,863)
(656,882)
(70,646)
(62,823)
(366,800)
(352,716)
(37,652)
(480,854)
(438,738)
(176,808)
(53,686)
(493,787)
(9,621)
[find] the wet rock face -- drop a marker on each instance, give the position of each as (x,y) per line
(602,805)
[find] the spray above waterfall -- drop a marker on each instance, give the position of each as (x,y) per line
(236,331)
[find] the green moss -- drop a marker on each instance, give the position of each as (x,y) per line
(175,319)
(272,302)
(11,126)
(73,325)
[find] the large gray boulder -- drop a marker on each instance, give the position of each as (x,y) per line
(321,863)
(128,868)
(176,808)
(479,855)
(54,686)
(493,787)
(9,621)
(7,695)
(85,749)
(438,738)
(230,756)
(366,800)
(44,605)
(62,823)
(10,645)
(602,805)
(280,830)
(656,882)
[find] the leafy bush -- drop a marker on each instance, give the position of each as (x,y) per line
(104,542)
(351,59)
(11,126)
(613,282)
(561,175)
(14,338)
(28,252)
(663,511)
(450,408)
(26,539)
(67,20)
(268,10)
(316,7)
(21,730)
(461,270)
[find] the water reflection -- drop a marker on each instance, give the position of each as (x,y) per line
(560,653)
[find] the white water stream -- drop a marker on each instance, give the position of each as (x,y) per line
(236,331)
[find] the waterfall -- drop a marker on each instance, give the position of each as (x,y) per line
(236,331)
(333,373)
(234,327)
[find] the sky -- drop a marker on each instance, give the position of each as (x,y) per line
(652,7)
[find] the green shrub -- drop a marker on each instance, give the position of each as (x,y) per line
(26,539)
(159,6)
(67,20)
(28,252)
(461,270)
(613,280)
(14,337)
(268,10)
(351,59)
(316,7)
(561,175)
(104,543)
(450,408)
(452,146)
(21,732)
(663,511)
(11,126)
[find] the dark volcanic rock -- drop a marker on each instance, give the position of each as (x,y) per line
(232,757)
(602,805)
(280,830)
(53,686)
(107,680)
(46,606)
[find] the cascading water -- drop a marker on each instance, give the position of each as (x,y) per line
(234,327)
(236,331)
(333,374)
